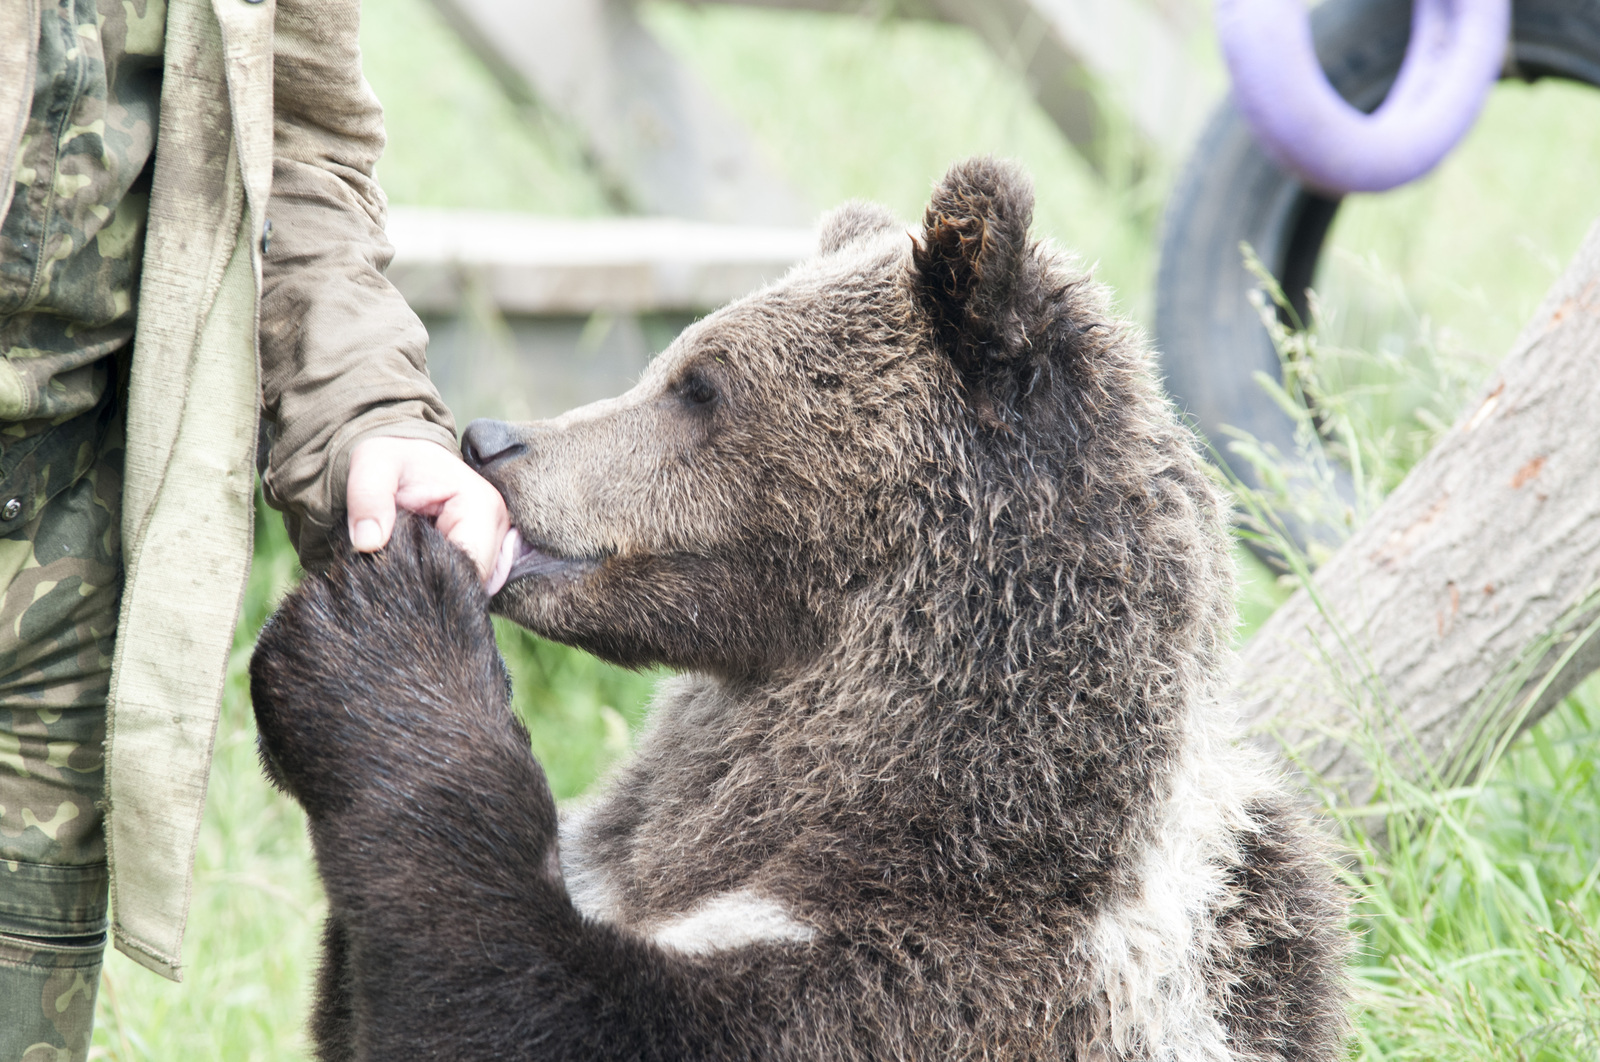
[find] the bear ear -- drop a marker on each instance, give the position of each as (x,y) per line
(853,221)
(968,263)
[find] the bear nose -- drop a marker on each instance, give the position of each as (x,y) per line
(487,441)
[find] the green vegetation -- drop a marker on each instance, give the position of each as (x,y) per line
(1478,917)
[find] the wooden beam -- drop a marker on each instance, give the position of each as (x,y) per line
(531,265)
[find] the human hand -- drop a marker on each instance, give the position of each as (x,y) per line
(425,478)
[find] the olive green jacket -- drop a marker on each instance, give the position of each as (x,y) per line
(264,116)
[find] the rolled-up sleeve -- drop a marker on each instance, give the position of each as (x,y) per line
(342,355)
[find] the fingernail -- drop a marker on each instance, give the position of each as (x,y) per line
(367,536)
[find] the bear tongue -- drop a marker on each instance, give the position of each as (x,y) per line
(530,560)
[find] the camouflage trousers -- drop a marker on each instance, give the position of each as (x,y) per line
(60,583)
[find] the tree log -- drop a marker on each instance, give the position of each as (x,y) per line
(1467,606)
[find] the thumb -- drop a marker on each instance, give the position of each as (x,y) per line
(369,496)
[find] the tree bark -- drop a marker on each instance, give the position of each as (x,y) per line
(1467,606)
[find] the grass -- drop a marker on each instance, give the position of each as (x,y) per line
(1476,923)
(1478,918)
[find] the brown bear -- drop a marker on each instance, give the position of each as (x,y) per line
(945,774)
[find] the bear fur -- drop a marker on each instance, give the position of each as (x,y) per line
(945,774)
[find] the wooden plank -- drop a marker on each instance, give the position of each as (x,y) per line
(1467,606)
(528,265)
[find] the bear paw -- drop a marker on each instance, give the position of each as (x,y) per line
(377,669)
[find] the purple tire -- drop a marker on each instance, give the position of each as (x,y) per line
(1453,57)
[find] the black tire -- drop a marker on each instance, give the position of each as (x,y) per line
(1211,340)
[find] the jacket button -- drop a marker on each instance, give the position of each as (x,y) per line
(12,509)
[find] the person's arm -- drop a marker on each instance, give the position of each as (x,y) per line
(345,387)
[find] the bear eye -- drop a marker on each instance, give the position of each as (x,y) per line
(696,390)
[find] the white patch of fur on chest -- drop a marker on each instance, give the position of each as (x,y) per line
(730,920)
(1149,953)
(589,885)
(722,922)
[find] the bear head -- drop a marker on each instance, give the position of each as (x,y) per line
(912,439)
